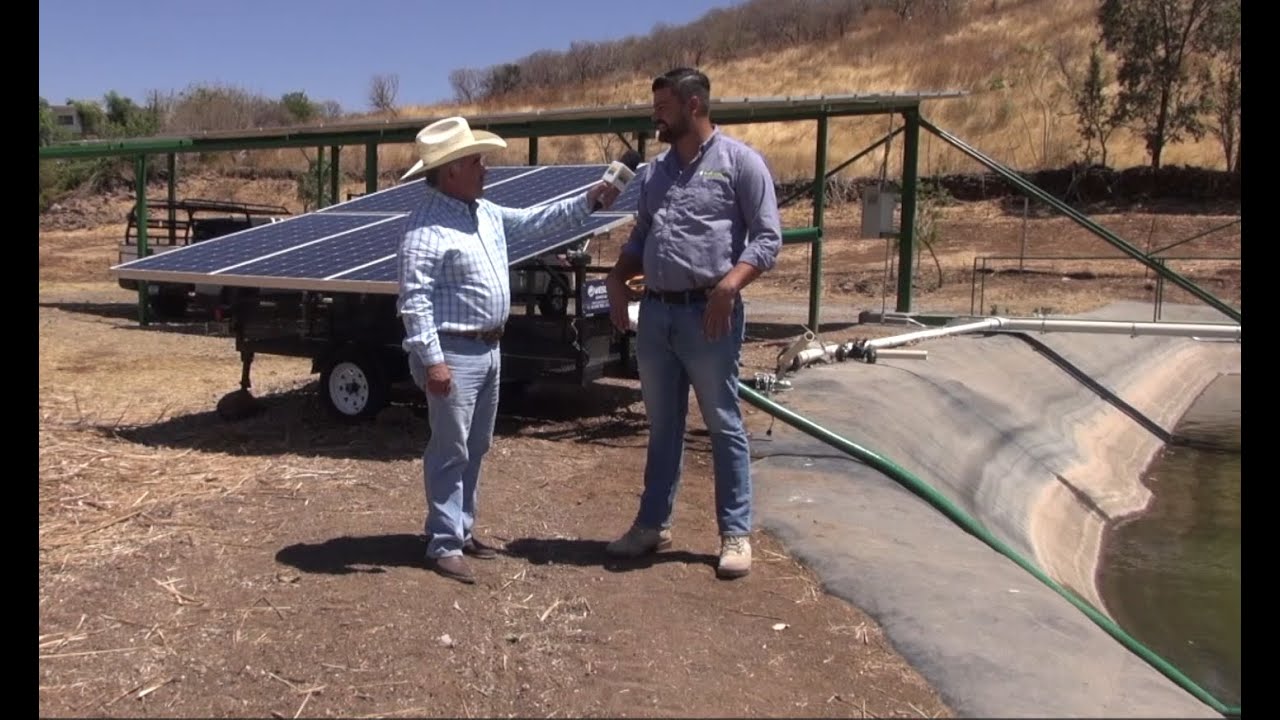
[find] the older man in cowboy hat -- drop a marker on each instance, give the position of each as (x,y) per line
(455,297)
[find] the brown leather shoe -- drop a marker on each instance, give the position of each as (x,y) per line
(479,550)
(452,566)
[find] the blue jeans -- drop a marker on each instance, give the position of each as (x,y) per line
(461,432)
(674,354)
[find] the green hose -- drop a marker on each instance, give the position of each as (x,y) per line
(948,508)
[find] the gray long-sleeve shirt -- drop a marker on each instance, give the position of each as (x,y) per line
(695,223)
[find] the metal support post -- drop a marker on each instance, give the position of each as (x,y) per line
(173,198)
(819,201)
(335,173)
(140,178)
(907,231)
(371,167)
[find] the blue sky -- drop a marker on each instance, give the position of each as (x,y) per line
(328,49)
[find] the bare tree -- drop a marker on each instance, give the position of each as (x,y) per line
(382,92)
(665,51)
(583,60)
(467,84)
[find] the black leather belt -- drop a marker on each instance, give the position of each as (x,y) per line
(679,297)
(490,337)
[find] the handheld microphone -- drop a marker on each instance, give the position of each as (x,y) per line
(621,172)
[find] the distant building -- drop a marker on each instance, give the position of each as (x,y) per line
(67,118)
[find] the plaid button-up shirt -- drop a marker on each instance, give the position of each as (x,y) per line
(453,267)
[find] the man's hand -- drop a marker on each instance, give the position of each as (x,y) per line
(439,379)
(718,316)
(618,302)
(603,193)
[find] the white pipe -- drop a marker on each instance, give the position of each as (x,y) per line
(1199,330)
(789,355)
(899,354)
(810,355)
(1133,329)
(905,338)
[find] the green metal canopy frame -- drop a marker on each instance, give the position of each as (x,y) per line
(634,119)
(637,120)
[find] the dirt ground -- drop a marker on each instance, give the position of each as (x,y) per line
(273,566)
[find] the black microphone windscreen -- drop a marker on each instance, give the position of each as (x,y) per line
(632,159)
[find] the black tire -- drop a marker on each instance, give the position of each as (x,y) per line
(353,385)
(554,302)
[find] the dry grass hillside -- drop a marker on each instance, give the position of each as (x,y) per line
(1011,58)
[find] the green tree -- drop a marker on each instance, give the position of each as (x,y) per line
(93,120)
(299,106)
(1155,41)
(48,125)
(1096,109)
(313,186)
(501,80)
(1221,42)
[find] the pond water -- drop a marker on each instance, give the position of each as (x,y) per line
(1170,576)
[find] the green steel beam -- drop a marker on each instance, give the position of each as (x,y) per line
(579,122)
(796,236)
(140,179)
(640,138)
(533,150)
(116,148)
(907,231)
(1022,184)
(334,174)
(371,167)
(819,204)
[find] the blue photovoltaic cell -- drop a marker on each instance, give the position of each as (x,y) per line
(384,271)
(404,198)
(371,243)
(218,253)
(537,246)
(552,181)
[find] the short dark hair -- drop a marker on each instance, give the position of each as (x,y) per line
(686,83)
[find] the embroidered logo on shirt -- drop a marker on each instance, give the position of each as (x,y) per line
(714,174)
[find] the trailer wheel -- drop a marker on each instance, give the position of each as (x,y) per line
(353,385)
(554,301)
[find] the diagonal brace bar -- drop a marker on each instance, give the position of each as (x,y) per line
(1081,219)
(809,187)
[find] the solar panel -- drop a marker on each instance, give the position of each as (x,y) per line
(550,183)
(405,197)
(373,242)
(253,243)
(352,246)
(596,224)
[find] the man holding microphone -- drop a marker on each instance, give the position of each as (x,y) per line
(454,300)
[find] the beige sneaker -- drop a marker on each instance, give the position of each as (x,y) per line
(735,556)
(638,541)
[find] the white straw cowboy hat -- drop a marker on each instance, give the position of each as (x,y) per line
(450,139)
